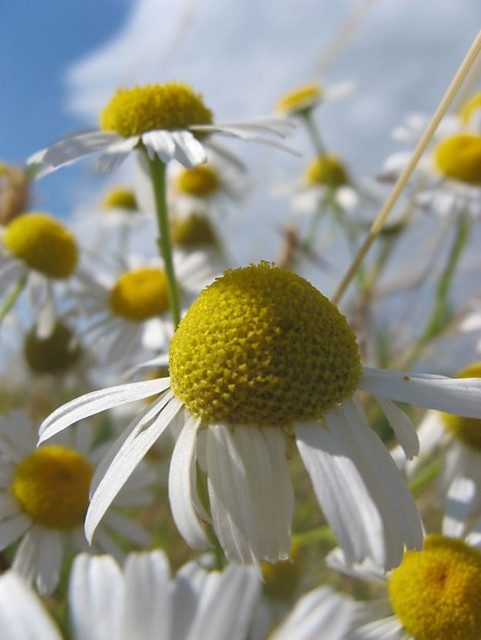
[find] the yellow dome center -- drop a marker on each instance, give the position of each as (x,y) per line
(201,181)
(43,243)
(300,100)
(468,430)
(470,108)
(170,106)
(262,346)
(55,354)
(459,157)
(120,198)
(435,592)
(327,170)
(139,295)
(52,486)
(192,230)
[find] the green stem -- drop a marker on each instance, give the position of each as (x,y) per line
(440,314)
(12,297)
(158,177)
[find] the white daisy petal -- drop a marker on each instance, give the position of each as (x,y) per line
(188,150)
(184,501)
(70,149)
(459,505)
(124,463)
(461,396)
(160,143)
(402,426)
(96,401)
(22,617)
(12,529)
(227,603)
(96,594)
(49,560)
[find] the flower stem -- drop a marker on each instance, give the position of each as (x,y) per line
(158,177)
(12,297)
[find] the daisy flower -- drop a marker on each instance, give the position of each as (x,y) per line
(36,251)
(44,493)
(166,120)
(307,97)
(434,593)
(262,356)
(132,309)
(143,601)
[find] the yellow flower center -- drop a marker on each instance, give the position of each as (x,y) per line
(435,592)
(262,346)
(470,108)
(468,430)
(192,230)
(120,198)
(201,181)
(300,100)
(52,486)
(459,157)
(43,243)
(327,170)
(55,354)
(139,295)
(170,106)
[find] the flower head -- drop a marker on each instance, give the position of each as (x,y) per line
(260,355)
(165,120)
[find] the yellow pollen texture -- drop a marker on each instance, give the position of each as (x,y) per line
(55,354)
(435,592)
(200,181)
(171,106)
(52,486)
(261,346)
(43,243)
(139,295)
(459,157)
(300,100)
(328,170)
(468,430)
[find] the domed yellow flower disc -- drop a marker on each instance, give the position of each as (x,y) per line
(435,592)
(468,430)
(261,346)
(468,109)
(120,198)
(55,354)
(43,243)
(327,170)
(52,486)
(201,181)
(459,157)
(170,106)
(192,230)
(300,100)
(139,295)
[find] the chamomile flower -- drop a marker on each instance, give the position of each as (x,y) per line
(131,310)
(37,251)
(307,97)
(434,593)
(44,493)
(167,120)
(261,356)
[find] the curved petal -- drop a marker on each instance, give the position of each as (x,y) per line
(461,396)
(402,426)
(97,401)
(184,502)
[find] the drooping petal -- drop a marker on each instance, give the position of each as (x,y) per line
(97,401)
(461,396)
(188,150)
(402,426)
(70,149)
(459,506)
